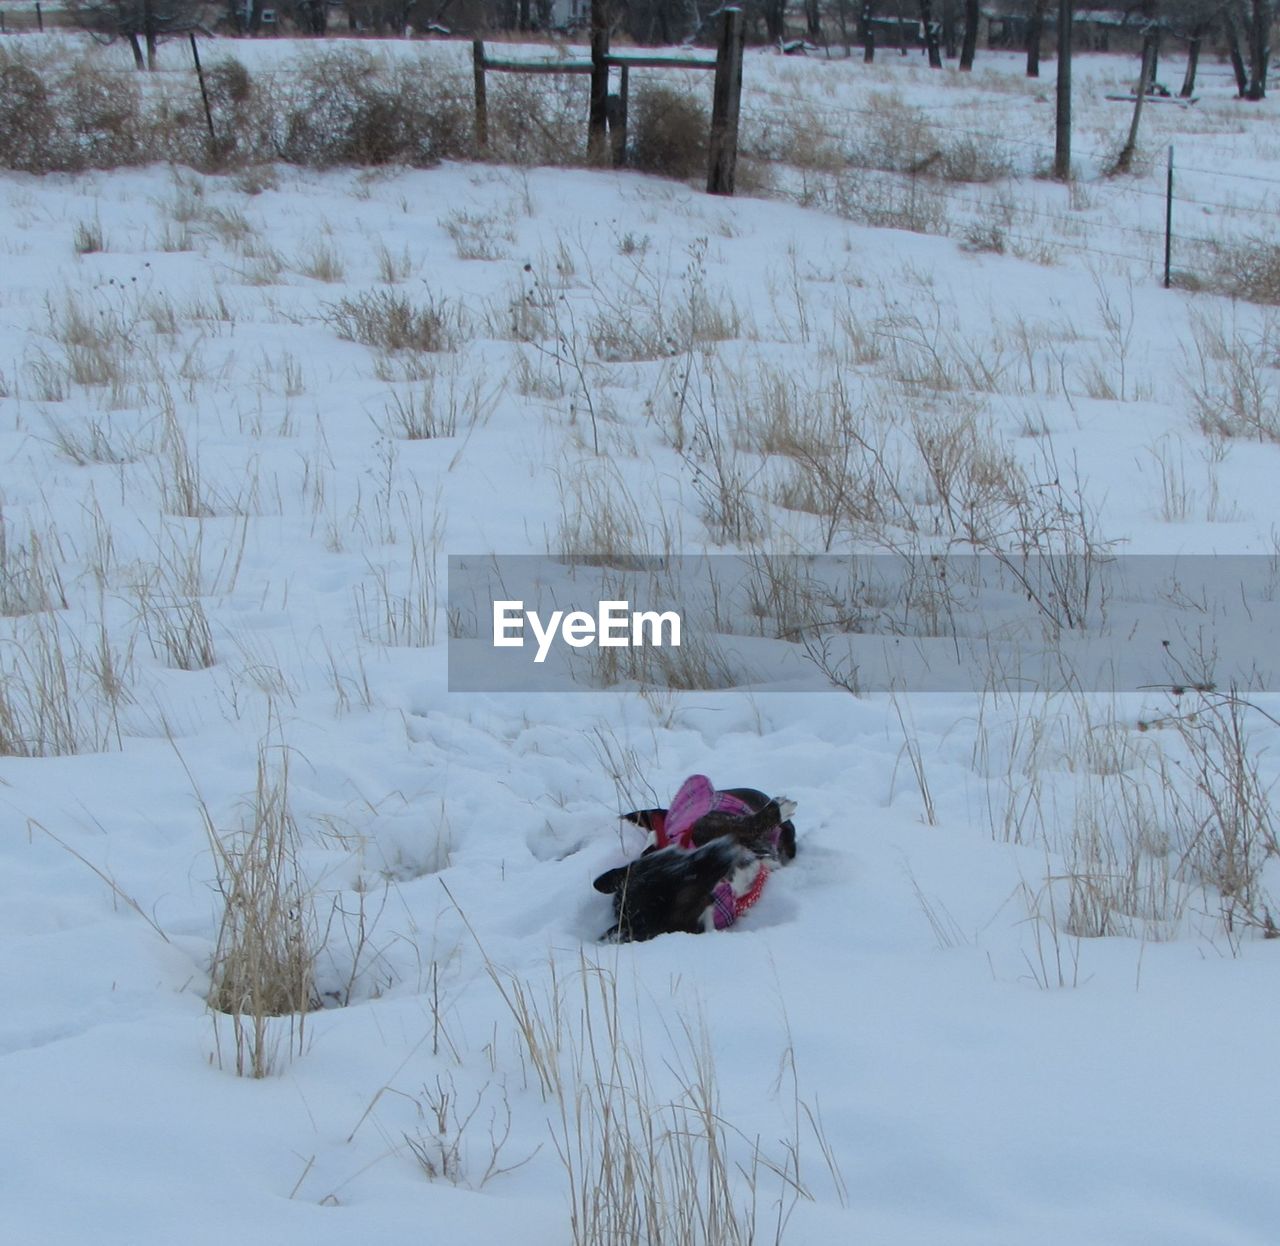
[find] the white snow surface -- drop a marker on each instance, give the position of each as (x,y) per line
(982,1076)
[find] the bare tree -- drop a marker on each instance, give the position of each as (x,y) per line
(1146,76)
(1192,21)
(949,38)
(1258,34)
(842,11)
(969,47)
(813,20)
(1231,29)
(1035,33)
(930,34)
(649,21)
(391,16)
(138,21)
(309,16)
(775,18)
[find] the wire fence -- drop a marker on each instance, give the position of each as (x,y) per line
(852,142)
(908,145)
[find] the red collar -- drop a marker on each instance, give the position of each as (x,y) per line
(743,902)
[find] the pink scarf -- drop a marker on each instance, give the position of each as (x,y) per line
(694,800)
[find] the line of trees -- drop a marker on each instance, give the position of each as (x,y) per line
(1244,27)
(949,29)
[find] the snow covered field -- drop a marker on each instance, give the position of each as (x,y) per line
(1015,986)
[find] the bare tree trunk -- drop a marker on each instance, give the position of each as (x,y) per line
(949,29)
(1259,48)
(1193,63)
(149,30)
(664,25)
(867,32)
(775,19)
(969,48)
(1124,161)
(1035,31)
(1062,121)
(136,48)
(842,14)
(1232,33)
(813,20)
(930,34)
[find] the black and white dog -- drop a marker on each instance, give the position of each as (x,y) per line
(710,857)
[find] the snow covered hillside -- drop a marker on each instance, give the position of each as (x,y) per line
(1017,985)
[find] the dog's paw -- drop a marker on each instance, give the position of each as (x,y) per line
(785,809)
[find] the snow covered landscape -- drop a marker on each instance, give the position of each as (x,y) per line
(301,945)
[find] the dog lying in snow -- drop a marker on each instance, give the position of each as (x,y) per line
(710,857)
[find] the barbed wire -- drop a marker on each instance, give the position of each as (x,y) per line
(1153,237)
(1247,177)
(886,150)
(757,110)
(1237,209)
(1044,154)
(846,111)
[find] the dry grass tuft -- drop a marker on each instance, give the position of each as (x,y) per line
(390,321)
(479,235)
(49,706)
(88,237)
(441,405)
(263,965)
(350,107)
(321,261)
(1246,268)
(667,132)
(537,120)
(1233,389)
(643,1163)
(1222,808)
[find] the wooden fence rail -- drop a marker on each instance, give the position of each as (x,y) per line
(607,114)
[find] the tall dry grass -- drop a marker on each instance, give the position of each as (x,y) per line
(264,960)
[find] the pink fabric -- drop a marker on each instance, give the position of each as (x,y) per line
(731,804)
(727,905)
(695,799)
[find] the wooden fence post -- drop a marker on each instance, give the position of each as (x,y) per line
(598,117)
(618,120)
(482,99)
(1062,120)
(725,103)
